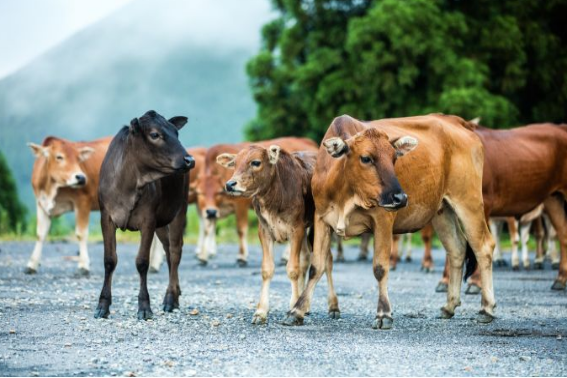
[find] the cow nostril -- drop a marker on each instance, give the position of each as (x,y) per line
(211,213)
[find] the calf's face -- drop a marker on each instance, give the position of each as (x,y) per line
(63,161)
(155,142)
(253,169)
(369,168)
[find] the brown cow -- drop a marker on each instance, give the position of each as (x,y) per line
(279,184)
(523,168)
(356,190)
(157,252)
(65,178)
(215,204)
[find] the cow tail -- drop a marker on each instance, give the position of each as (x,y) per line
(311,236)
(470,262)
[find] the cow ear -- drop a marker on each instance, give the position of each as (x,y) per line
(85,153)
(38,150)
(227,160)
(178,122)
(274,153)
(404,144)
(476,120)
(135,126)
(336,147)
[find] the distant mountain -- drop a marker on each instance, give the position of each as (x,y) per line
(176,57)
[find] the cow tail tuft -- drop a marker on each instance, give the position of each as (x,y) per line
(470,262)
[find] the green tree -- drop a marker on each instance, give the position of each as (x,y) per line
(505,61)
(12,211)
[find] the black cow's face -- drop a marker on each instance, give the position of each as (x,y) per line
(156,143)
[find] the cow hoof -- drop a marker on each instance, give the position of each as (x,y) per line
(538,266)
(408,259)
(260,319)
(340,259)
(334,314)
(283,262)
(446,314)
(82,272)
(145,314)
(484,317)
(515,268)
(500,263)
(555,266)
(101,312)
(202,262)
(472,289)
(153,270)
(527,266)
(292,320)
(169,303)
(426,269)
(361,258)
(29,270)
(241,263)
(442,287)
(383,323)
(392,267)
(558,285)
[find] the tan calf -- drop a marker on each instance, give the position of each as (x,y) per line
(364,183)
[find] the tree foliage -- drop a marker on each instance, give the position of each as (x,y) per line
(505,61)
(12,211)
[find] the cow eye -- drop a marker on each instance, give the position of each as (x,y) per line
(59,157)
(365,159)
(154,135)
(256,163)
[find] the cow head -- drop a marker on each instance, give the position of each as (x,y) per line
(369,168)
(253,167)
(63,161)
(155,142)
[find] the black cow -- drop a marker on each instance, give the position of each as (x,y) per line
(144,181)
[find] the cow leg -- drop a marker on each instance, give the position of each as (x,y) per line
(524,239)
(201,240)
(496,229)
(443,284)
(261,314)
(394,251)
(110,261)
(304,263)
(554,207)
(364,241)
(407,247)
(176,229)
(43,225)
(242,228)
(427,238)
(446,226)
(340,250)
(513,227)
(293,269)
(82,211)
(209,240)
(471,215)
(381,266)
(332,299)
(156,255)
(143,264)
(539,234)
(321,249)
(551,252)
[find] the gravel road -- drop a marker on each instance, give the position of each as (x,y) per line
(47,325)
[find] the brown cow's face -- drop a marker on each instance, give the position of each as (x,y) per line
(63,162)
(253,170)
(369,168)
(155,141)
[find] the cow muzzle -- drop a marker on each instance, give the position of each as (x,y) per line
(231,187)
(211,213)
(78,180)
(394,201)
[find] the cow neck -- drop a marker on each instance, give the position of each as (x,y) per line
(48,188)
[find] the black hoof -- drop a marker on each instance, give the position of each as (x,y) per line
(361,258)
(30,271)
(283,262)
(442,287)
(408,259)
(145,314)
(558,285)
(292,320)
(101,312)
(484,317)
(241,263)
(515,268)
(446,314)
(340,259)
(334,314)
(169,303)
(538,266)
(426,269)
(500,263)
(472,289)
(383,323)
(82,272)
(153,270)
(392,267)
(555,266)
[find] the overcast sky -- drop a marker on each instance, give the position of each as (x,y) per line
(28,28)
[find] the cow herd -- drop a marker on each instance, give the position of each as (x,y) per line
(377,179)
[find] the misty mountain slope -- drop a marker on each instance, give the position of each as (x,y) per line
(176,57)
